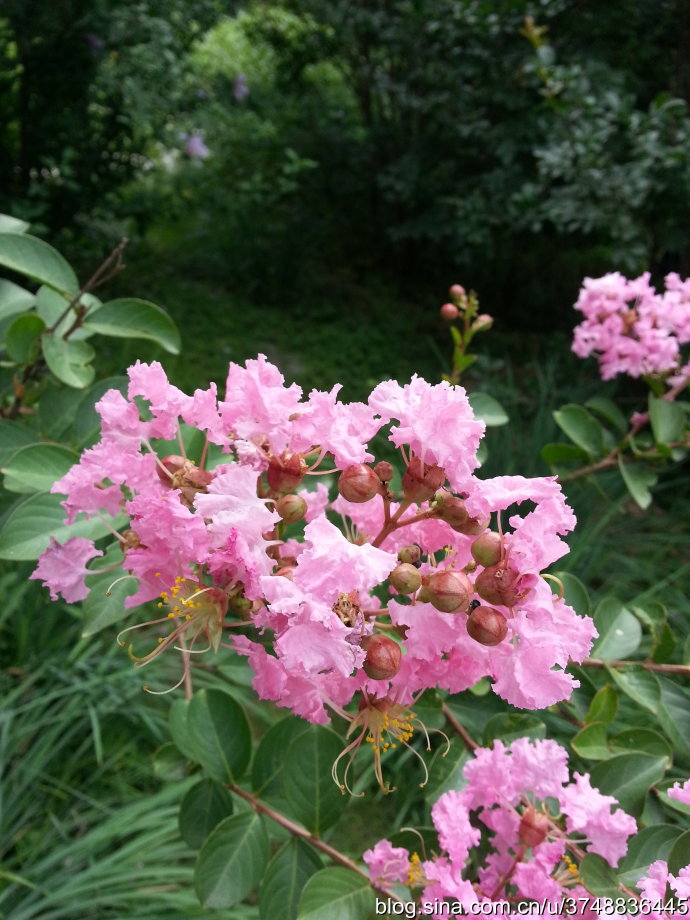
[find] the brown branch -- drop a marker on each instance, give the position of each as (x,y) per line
(647,665)
(460,729)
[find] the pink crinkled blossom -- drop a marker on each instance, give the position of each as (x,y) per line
(62,568)
(590,812)
(386,863)
(342,429)
(681,792)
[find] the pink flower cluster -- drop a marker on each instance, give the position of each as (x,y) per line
(631,328)
(511,792)
(214,540)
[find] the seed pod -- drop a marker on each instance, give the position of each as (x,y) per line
(384,470)
(451,509)
(359,483)
(421,481)
(474,526)
(405,578)
(383,657)
(499,584)
(449,591)
(534,827)
(411,554)
(487,626)
(487,549)
(285,473)
(291,508)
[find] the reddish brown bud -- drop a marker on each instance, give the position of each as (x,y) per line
(449,312)
(291,508)
(167,468)
(384,470)
(359,483)
(474,526)
(285,473)
(488,548)
(383,657)
(451,509)
(457,292)
(406,578)
(499,584)
(411,554)
(449,591)
(421,481)
(534,827)
(487,626)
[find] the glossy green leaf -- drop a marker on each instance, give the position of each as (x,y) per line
(607,410)
(555,453)
(29,527)
(639,480)
(287,874)
(9,224)
(604,705)
(674,713)
(314,798)
(575,594)
(598,877)
(269,758)
(508,726)
(131,318)
(590,742)
(36,467)
(169,765)
(628,777)
(69,361)
(619,630)
(30,256)
(231,861)
(203,808)
(14,299)
(445,770)
(644,740)
(105,603)
(679,855)
(644,847)
(581,427)
(667,420)
(22,335)
(178,723)
(13,437)
(488,409)
(336,894)
(640,685)
(53,307)
(219,733)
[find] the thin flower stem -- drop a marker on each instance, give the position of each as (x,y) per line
(465,736)
(395,523)
(647,665)
(188,690)
(340,858)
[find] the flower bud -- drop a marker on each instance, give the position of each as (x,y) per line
(359,483)
(449,592)
(384,470)
(411,554)
(487,549)
(291,508)
(405,578)
(449,312)
(474,526)
(383,657)
(285,473)
(499,584)
(534,827)
(421,481)
(482,323)
(487,626)
(457,292)
(173,463)
(451,509)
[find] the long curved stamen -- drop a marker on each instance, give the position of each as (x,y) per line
(161,466)
(139,626)
(159,649)
(419,756)
(556,581)
(187,600)
(121,578)
(106,523)
(170,689)
(192,651)
(180,441)
(322,454)
(413,830)
(438,731)
(352,746)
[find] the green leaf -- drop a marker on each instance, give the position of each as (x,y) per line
(511,725)
(563,453)
(231,861)
(488,409)
(29,527)
(130,318)
(69,361)
(21,336)
(640,685)
(581,427)
(178,723)
(590,742)
(604,705)
(108,592)
(10,224)
(314,798)
(628,777)
(679,856)
(13,437)
(619,630)
(638,480)
(662,790)
(336,894)
(169,764)
(219,732)
(52,305)
(35,468)
(598,877)
(445,770)
(14,299)
(30,256)
(644,740)
(204,806)
(644,847)
(674,714)
(667,420)
(56,411)
(607,410)
(269,759)
(575,593)
(287,874)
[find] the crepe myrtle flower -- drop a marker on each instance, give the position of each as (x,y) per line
(375,596)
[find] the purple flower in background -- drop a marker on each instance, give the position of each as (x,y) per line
(196,148)
(240,90)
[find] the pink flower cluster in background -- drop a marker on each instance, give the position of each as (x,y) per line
(631,328)
(385,592)
(523,802)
